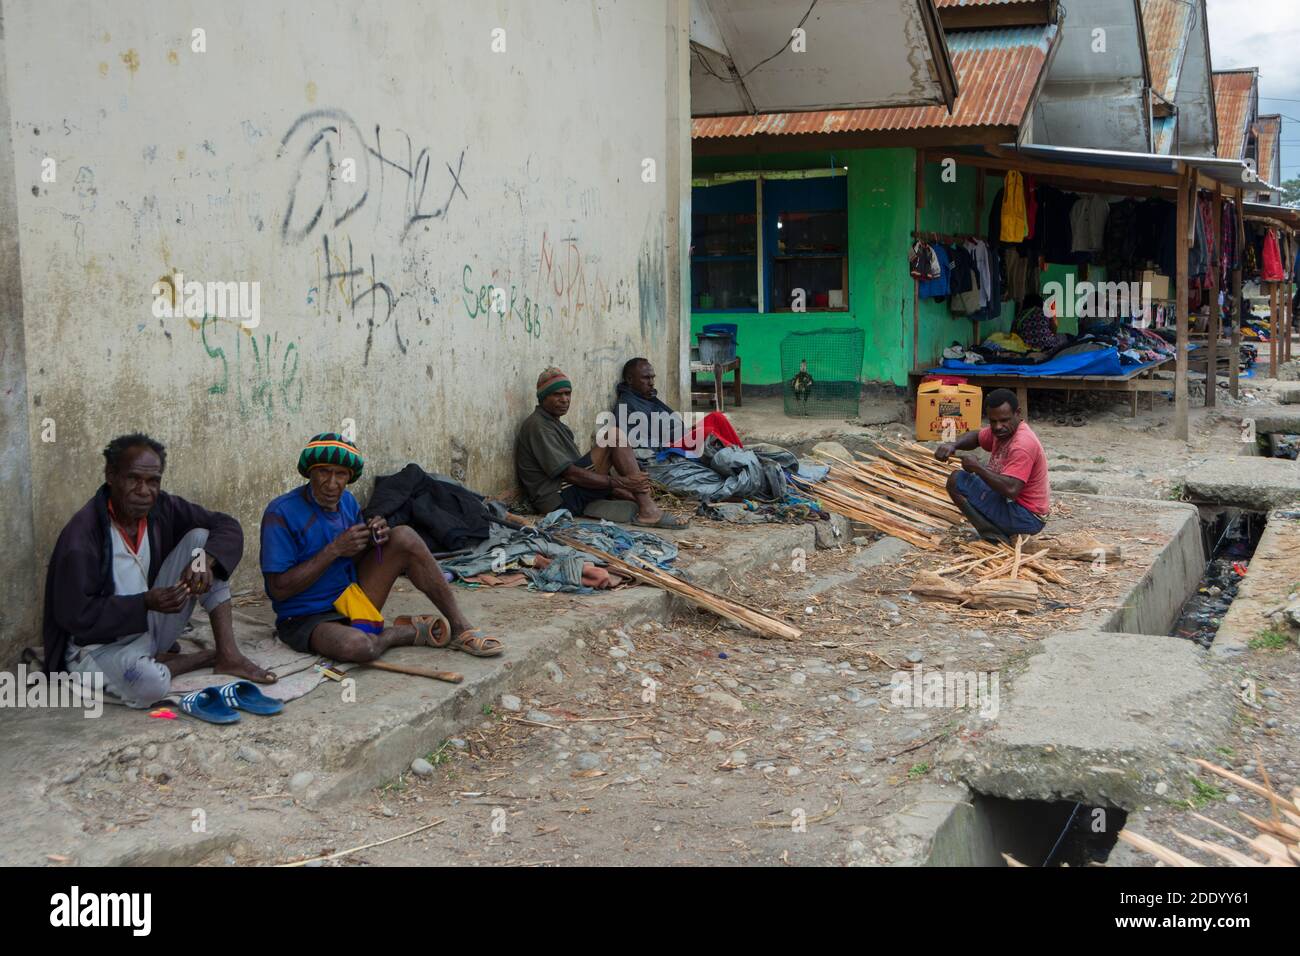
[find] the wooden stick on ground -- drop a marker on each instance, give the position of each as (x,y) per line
(764,624)
(451,677)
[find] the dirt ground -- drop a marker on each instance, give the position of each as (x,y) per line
(690,741)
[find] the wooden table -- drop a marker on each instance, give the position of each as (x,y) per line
(1129,383)
(716,393)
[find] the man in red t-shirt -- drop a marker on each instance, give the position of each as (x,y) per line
(1010,495)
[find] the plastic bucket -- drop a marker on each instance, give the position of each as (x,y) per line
(716,349)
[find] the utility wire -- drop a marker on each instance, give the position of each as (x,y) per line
(1073,814)
(784,46)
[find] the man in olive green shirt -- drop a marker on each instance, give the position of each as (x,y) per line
(555,475)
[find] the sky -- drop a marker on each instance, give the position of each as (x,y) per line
(1266,34)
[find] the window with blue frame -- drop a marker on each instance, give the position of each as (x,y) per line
(724,248)
(801,263)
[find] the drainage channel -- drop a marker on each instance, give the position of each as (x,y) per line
(1229,536)
(1043,833)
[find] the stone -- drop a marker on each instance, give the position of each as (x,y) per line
(248,754)
(792,771)
(798,677)
(72,776)
(725,700)
(1162,788)
(914,657)
(1271,723)
(151,751)
(832,533)
(553,672)
(617,652)
(827,450)
(625,640)
(714,737)
(739,757)
(301,780)
(1075,483)
(458,742)
(129,754)
(864,746)
(852,694)
(510,702)
(113,776)
(588,761)
(132,774)
(889,606)
(540,717)
(388,812)
(155,771)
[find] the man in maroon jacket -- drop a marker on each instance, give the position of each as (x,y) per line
(126,574)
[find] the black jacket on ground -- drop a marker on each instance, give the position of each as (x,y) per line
(445,515)
(80,603)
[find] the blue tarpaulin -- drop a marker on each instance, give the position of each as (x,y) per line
(1100,362)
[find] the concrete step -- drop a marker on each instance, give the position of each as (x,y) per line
(348,746)
(1257,484)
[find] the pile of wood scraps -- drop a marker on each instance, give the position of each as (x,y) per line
(900,491)
(1004,595)
(1276,840)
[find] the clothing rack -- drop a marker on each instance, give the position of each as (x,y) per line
(944,236)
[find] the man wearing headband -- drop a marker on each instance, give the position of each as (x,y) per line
(555,475)
(328,572)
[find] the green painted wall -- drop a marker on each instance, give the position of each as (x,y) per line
(881,189)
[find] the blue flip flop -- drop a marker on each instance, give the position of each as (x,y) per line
(244,695)
(207,705)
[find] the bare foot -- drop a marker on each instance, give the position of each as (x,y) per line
(241,666)
(184,663)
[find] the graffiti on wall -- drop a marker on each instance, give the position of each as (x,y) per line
(334,176)
(258,370)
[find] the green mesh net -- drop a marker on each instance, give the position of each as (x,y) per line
(822,373)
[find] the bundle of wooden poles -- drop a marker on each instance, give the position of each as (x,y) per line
(900,491)
(1276,839)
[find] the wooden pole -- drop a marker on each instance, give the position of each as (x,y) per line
(1180,293)
(1234,359)
(916,284)
(1212,357)
(1289,292)
(975,228)
(1274,330)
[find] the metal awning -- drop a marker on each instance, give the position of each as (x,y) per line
(855,54)
(1231,173)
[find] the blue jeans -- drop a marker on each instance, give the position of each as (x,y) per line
(1007,516)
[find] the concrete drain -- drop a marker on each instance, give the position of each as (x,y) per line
(1230,536)
(1045,833)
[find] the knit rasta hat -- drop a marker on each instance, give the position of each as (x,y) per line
(328,448)
(551,380)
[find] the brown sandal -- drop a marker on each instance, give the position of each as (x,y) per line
(430,630)
(476,644)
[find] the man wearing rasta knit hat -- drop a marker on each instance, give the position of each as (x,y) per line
(328,572)
(555,475)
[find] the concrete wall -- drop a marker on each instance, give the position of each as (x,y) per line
(474,169)
(18,610)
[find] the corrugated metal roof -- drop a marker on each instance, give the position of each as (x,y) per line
(1269,131)
(1233,99)
(1167,24)
(977,3)
(997,72)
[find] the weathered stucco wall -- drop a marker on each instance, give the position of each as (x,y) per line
(521,170)
(18,610)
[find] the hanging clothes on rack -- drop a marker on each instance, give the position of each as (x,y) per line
(1271,268)
(1014,222)
(937,287)
(1088,218)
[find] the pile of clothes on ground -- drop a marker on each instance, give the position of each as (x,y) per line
(479,543)
(740,484)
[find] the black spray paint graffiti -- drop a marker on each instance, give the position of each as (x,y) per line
(350,273)
(330,137)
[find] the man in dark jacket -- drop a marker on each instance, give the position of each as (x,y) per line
(125,576)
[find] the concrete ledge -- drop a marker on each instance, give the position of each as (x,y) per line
(1267,483)
(348,747)
(1091,719)
(1274,572)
